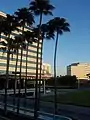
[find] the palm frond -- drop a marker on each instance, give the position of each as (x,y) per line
(28,36)
(4,49)
(50,35)
(60,31)
(3,43)
(24,15)
(9,24)
(65,29)
(59,25)
(41,6)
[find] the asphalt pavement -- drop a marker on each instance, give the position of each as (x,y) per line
(76,112)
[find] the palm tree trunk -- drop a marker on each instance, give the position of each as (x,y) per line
(26,77)
(36,82)
(7,77)
(40,75)
(41,60)
(0,37)
(18,104)
(55,81)
(15,81)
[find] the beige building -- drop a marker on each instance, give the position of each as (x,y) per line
(79,69)
(46,70)
(32,52)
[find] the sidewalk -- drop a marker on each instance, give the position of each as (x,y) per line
(76,112)
(74,108)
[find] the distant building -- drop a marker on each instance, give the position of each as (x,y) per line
(80,70)
(46,70)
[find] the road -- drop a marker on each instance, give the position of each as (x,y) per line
(79,113)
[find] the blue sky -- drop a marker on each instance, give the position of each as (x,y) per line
(73,46)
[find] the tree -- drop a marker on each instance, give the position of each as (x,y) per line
(9,25)
(25,18)
(46,33)
(39,8)
(17,43)
(67,80)
(29,38)
(59,25)
(2,19)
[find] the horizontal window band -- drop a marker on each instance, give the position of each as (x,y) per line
(13,59)
(32,45)
(28,55)
(10,72)
(32,51)
(14,34)
(24,55)
(3,64)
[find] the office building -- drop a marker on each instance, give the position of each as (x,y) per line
(32,53)
(46,70)
(80,70)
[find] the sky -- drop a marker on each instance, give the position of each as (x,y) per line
(73,46)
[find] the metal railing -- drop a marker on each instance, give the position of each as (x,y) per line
(30,112)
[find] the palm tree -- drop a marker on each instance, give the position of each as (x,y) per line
(25,18)
(4,49)
(39,8)
(2,19)
(59,25)
(46,33)
(9,26)
(29,39)
(17,42)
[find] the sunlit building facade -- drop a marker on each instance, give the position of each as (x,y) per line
(80,70)
(31,63)
(46,70)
